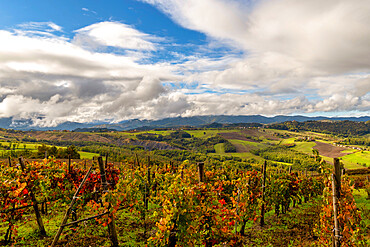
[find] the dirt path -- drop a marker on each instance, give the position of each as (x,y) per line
(329,150)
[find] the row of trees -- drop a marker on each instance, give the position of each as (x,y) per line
(343,128)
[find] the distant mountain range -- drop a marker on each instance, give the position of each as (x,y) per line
(196,121)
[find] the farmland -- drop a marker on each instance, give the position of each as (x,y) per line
(158,196)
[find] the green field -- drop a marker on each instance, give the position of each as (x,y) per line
(33,148)
(208,132)
(247,144)
(304,147)
(358,158)
(219,148)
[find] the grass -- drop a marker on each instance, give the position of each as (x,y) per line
(220,148)
(248,144)
(288,141)
(304,147)
(362,157)
(87,155)
(208,132)
(363,203)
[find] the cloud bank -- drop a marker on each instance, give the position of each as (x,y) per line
(294,57)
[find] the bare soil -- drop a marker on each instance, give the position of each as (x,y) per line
(329,150)
(235,136)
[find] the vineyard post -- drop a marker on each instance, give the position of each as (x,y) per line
(111,225)
(237,212)
(10,161)
(69,210)
(336,186)
(46,154)
(106,159)
(34,202)
(201,171)
(262,222)
(8,234)
(290,169)
(69,163)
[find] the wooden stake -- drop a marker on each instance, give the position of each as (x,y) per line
(290,169)
(10,161)
(34,202)
(201,171)
(111,225)
(69,163)
(336,186)
(262,222)
(69,210)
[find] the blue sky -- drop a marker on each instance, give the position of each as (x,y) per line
(115,60)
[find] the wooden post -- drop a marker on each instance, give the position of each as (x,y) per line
(106,159)
(69,163)
(262,222)
(336,186)
(69,210)
(111,225)
(337,173)
(201,171)
(10,161)
(34,202)
(237,211)
(147,185)
(290,169)
(46,154)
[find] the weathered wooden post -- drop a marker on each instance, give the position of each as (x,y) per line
(262,222)
(34,202)
(69,163)
(111,224)
(290,169)
(10,161)
(336,186)
(201,171)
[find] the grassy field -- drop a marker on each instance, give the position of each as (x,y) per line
(304,147)
(361,157)
(87,155)
(220,148)
(33,148)
(247,144)
(208,132)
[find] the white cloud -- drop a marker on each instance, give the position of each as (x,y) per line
(299,57)
(114,34)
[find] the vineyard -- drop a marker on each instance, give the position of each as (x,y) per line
(147,203)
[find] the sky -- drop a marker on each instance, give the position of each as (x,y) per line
(114,60)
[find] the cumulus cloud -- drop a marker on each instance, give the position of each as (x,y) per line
(52,79)
(296,57)
(114,34)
